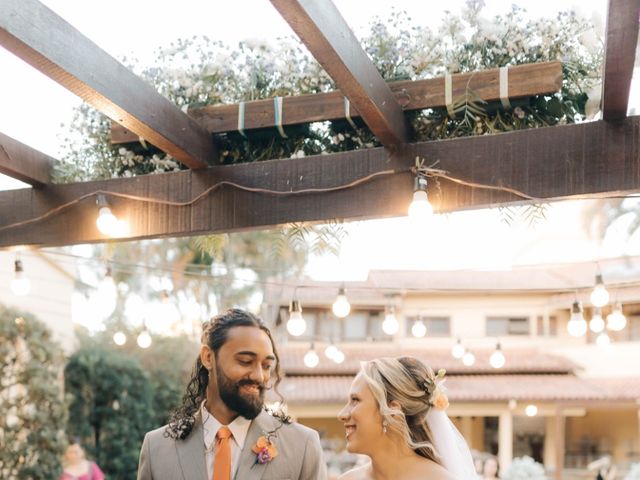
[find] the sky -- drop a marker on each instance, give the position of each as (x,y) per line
(32,107)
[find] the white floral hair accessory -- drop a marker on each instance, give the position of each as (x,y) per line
(436,390)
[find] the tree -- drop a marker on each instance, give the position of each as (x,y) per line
(111,407)
(31,398)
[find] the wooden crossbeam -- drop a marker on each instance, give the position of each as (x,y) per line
(24,163)
(620,53)
(326,34)
(525,80)
(595,159)
(51,45)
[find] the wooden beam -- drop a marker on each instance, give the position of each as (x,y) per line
(525,81)
(326,34)
(24,163)
(620,53)
(51,45)
(594,159)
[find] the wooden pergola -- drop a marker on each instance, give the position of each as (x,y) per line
(596,159)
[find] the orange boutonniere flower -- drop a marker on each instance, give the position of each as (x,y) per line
(441,402)
(265,450)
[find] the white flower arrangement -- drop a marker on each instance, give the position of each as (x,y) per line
(634,472)
(524,468)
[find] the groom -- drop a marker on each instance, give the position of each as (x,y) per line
(221,431)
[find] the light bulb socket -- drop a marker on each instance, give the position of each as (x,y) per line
(498,347)
(101,201)
(294,306)
(341,291)
(599,280)
(576,307)
(420,183)
(17,266)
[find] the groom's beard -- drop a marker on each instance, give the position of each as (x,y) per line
(249,406)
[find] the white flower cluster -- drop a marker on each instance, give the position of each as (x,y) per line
(524,468)
(634,472)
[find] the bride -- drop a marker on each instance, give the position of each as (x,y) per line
(395,415)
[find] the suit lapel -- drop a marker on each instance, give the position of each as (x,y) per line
(191,454)
(248,469)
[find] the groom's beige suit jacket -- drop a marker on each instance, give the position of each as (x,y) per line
(299,454)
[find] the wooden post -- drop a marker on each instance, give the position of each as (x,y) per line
(549,454)
(505,440)
(559,441)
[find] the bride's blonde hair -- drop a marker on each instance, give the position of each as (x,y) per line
(408,381)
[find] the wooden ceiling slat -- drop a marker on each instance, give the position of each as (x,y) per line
(326,34)
(620,53)
(524,81)
(41,38)
(24,163)
(596,159)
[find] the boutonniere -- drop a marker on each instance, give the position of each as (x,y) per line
(264,449)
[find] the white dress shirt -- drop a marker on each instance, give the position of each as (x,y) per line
(239,429)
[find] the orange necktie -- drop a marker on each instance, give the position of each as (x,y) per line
(222,460)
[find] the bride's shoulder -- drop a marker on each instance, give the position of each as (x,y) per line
(438,472)
(358,473)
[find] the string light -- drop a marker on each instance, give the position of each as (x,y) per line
(457,351)
(144,339)
(616,320)
(531,410)
(420,208)
(341,306)
(106,295)
(596,324)
(331,351)
(603,340)
(599,295)
(390,324)
(497,359)
(107,222)
(339,357)
(20,284)
(419,329)
(577,325)
(311,358)
(119,338)
(296,325)
(468,359)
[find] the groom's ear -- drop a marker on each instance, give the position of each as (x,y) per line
(207,357)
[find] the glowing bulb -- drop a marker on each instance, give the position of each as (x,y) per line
(419,329)
(468,359)
(338,357)
(20,284)
(457,351)
(331,351)
(390,325)
(119,338)
(311,358)
(577,325)
(497,359)
(106,295)
(531,410)
(420,208)
(107,222)
(144,339)
(616,320)
(296,325)
(603,340)
(599,295)
(341,307)
(596,324)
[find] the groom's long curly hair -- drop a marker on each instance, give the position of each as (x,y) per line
(214,334)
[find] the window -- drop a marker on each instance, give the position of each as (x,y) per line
(552,328)
(507,326)
(436,326)
(322,325)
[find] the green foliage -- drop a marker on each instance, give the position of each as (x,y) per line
(31,398)
(111,407)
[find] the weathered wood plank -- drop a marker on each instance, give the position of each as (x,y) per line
(51,45)
(524,81)
(24,163)
(620,52)
(326,34)
(595,159)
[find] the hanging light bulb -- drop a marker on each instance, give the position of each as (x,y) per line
(596,324)
(144,339)
(420,208)
(107,222)
(599,295)
(603,340)
(419,329)
(616,320)
(311,358)
(531,410)
(119,338)
(497,359)
(468,358)
(457,351)
(296,325)
(339,357)
(341,307)
(106,295)
(331,351)
(577,325)
(390,324)
(20,284)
